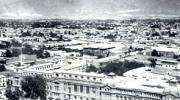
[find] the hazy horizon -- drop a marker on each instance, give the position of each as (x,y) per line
(88,9)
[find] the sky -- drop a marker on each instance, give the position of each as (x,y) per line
(82,9)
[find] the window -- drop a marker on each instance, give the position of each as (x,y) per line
(75,88)
(57,88)
(17,82)
(94,78)
(69,89)
(87,89)
(69,96)
(81,88)
(50,87)
(57,75)
(125,98)
(117,97)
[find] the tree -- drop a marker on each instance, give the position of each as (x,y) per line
(16,43)
(17,93)
(40,34)
(8,94)
(34,87)
(13,95)
(39,53)
(154,53)
(35,34)
(4,44)
(52,34)
(46,54)
(111,37)
(130,50)
(154,34)
(24,34)
(16,52)
(60,38)
(91,68)
(176,56)
(153,62)
(2,68)
(120,67)
(27,49)
(8,53)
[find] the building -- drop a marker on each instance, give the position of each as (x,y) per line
(70,85)
(3,81)
(167,52)
(3,84)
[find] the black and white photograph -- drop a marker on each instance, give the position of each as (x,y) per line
(89,49)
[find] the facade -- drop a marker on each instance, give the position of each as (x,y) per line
(3,81)
(167,52)
(3,84)
(170,64)
(70,85)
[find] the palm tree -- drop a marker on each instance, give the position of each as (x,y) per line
(153,62)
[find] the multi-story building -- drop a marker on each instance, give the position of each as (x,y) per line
(3,84)
(167,52)
(70,85)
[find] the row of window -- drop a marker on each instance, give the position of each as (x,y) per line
(69,97)
(123,98)
(170,66)
(33,73)
(44,67)
(143,94)
(78,77)
(74,88)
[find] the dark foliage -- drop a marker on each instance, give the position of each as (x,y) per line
(121,67)
(24,34)
(172,34)
(16,43)
(52,34)
(110,36)
(13,95)
(27,49)
(91,68)
(38,34)
(155,34)
(153,62)
(34,87)
(4,45)
(118,68)
(16,52)
(41,54)
(8,53)
(154,53)
(2,68)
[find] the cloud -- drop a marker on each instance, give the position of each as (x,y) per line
(21,15)
(130,11)
(88,8)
